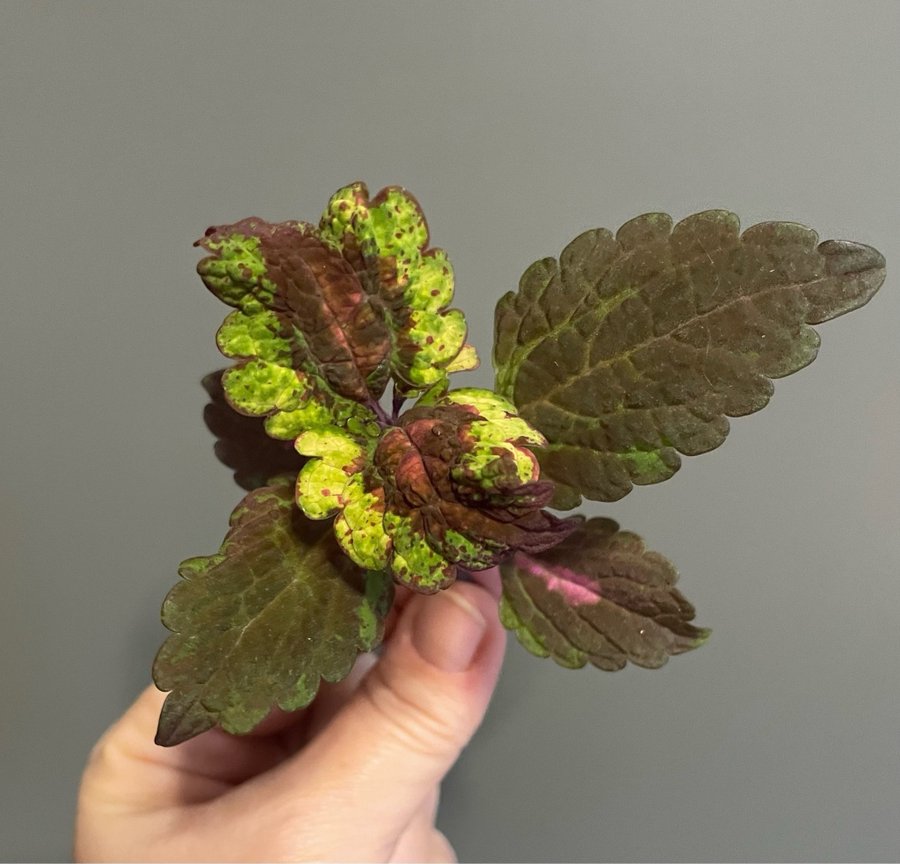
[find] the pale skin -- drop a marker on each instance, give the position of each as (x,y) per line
(354,777)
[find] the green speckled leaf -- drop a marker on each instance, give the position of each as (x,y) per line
(325,483)
(254,336)
(360,527)
(385,239)
(257,388)
(414,562)
(261,622)
(457,486)
(598,597)
(304,296)
(632,349)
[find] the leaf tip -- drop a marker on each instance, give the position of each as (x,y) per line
(163,739)
(703,636)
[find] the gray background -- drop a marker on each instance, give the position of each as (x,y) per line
(125,129)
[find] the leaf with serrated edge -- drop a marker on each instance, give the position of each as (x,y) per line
(632,349)
(300,304)
(598,597)
(259,623)
(385,239)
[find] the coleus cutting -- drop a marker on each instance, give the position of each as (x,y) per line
(613,359)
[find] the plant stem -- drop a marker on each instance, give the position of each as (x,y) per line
(380,413)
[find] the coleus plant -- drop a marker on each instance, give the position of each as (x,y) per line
(626,351)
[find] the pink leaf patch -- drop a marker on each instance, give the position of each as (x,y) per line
(576,588)
(598,597)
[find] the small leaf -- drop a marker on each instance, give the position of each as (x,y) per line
(300,304)
(465,361)
(256,388)
(452,484)
(598,597)
(632,349)
(385,239)
(321,485)
(259,623)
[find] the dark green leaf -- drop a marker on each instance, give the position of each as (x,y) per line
(632,349)
(258,624)
(598,597)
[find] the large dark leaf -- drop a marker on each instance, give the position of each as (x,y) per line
(632,349)
(598,597)
(258,624)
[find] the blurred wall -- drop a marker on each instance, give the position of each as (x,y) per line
(127,128)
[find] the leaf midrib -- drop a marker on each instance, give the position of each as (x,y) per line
(626,355)
(251,622)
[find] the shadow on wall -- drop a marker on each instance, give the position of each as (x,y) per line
(241,442)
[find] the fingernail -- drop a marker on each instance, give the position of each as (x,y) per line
(447,630)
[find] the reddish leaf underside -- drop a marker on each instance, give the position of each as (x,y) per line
(598,597)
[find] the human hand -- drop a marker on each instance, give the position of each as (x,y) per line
(355,776)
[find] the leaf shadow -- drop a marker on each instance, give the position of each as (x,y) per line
(242,443)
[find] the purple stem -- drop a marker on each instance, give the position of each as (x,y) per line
(380,413)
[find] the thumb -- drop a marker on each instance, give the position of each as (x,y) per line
(402,730)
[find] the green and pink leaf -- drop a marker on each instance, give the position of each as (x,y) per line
(598,597)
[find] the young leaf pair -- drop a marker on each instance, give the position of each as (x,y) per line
(627,351)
